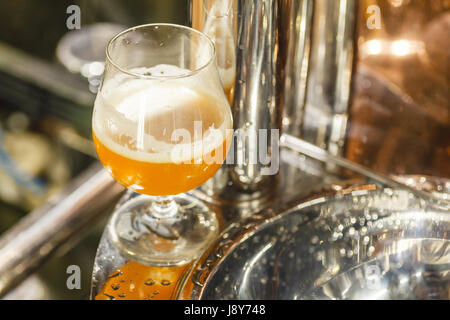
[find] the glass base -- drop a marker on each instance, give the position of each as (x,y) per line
(174,233)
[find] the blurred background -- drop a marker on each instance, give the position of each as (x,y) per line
(45,114)
(398,121)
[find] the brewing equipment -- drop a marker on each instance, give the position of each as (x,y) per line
(302,233)
(350,198)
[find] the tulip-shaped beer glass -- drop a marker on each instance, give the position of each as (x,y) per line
(161,127)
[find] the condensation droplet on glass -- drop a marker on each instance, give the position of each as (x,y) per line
(116,274)
(149,282)
(165,283)
(115,286)
(110,297)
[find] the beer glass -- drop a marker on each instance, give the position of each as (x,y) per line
(161,127)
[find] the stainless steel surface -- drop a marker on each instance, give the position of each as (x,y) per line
(330,71)
(294,60)
(24,247)
(257,91)
(298,38)
(365,242)
(256,99)
(315,152)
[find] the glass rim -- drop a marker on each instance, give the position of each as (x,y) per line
(142,76)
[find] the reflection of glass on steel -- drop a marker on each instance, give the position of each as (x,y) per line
(218,25)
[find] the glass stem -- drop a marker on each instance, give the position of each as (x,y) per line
(163,207)
(161,218)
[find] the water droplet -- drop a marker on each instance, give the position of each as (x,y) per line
(109,296)
(149,282)
(363,230)
(165,283)
(351,231)
(116,274)
(115,286)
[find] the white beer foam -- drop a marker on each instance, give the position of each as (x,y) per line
(124,104)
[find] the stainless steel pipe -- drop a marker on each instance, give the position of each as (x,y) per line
(294,62)
(38,235)
(330,70)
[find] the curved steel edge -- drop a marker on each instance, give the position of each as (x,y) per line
(192,286)
(204,268)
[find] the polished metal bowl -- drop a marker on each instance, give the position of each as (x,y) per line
(364,242)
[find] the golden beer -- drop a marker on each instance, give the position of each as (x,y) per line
(140,155)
